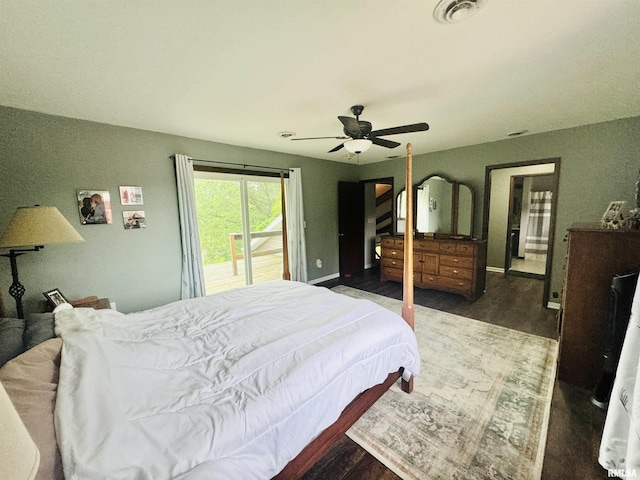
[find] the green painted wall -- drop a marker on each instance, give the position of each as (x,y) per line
(45,159)
(599,163)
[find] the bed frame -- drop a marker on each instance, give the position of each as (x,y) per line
(297,467)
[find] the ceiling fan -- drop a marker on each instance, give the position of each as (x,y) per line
(360,137)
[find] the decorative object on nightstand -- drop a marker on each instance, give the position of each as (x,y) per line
(55,297)
(33,227)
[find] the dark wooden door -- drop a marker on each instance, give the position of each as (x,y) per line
(351,227)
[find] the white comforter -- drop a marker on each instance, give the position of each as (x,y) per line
(620,445)
(230,386)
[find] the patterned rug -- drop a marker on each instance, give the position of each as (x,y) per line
(480,406)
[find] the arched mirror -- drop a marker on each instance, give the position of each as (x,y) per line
(442,206)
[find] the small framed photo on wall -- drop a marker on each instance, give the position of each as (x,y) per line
(134,219)
(131,196)
(94,207)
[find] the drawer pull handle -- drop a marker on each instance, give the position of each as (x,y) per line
(393,263)
(460,284)
(455,260)
(393,253)
(455,272)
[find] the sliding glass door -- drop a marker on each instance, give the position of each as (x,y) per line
(240,224)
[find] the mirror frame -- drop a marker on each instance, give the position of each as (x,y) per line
(455,206)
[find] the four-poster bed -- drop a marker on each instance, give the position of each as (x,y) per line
(319,447)
(305,351)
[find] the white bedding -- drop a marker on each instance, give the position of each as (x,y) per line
(230,386)
(620,445)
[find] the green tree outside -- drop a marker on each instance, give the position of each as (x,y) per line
(219,213)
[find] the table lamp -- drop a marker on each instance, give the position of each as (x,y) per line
(33,227)
(19,455)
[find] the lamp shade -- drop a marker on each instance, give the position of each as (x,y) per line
(38,226)
(19,455)
(357,146)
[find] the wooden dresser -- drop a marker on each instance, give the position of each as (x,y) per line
(457,266)
(594,256)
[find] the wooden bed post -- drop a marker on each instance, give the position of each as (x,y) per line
(286,275)
(407,280)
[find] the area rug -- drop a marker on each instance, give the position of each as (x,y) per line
(479,408)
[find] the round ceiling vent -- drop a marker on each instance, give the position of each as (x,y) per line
(454,11)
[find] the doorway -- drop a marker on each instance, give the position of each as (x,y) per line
(528,224)
(240,226)
(365,215)
(501,186)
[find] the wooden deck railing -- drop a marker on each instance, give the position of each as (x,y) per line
(236,256)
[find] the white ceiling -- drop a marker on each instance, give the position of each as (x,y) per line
(240,71)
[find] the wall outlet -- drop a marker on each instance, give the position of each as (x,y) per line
(319,263)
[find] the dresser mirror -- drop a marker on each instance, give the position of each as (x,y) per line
(441,206)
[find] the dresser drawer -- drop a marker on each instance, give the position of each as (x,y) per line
(465,249)
(456,261)
(392,273)
(440,282)
(392,253)
(447,247)
(388,242)
(426,245)
(392,262)
(456,272)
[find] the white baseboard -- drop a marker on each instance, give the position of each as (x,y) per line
(553,305)
(323,279)
(495,269)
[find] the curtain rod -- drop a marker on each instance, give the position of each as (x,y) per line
(243,165)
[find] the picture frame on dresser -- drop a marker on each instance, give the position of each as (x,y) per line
(613,216)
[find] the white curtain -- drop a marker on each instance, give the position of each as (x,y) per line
(192,270)
(295,226)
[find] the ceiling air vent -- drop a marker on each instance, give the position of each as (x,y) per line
(454,11)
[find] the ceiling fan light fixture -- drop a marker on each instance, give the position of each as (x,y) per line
(454,11)
(359,145)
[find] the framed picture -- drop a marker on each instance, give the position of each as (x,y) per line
(131,196)
(94,207)
(55,297)
(134,219)
(613,216)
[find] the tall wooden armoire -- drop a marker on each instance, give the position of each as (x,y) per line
(594,256)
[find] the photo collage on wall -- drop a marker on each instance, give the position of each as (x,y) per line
(94,207)
(132,219)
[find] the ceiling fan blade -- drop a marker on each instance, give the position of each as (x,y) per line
(319,138)
(351,125)
(384,143)
(335,149)
(415,127)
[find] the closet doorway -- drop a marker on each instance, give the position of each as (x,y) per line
(505,230)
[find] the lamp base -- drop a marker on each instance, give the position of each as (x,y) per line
(16,290)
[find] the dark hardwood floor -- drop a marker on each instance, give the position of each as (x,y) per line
(575,424)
